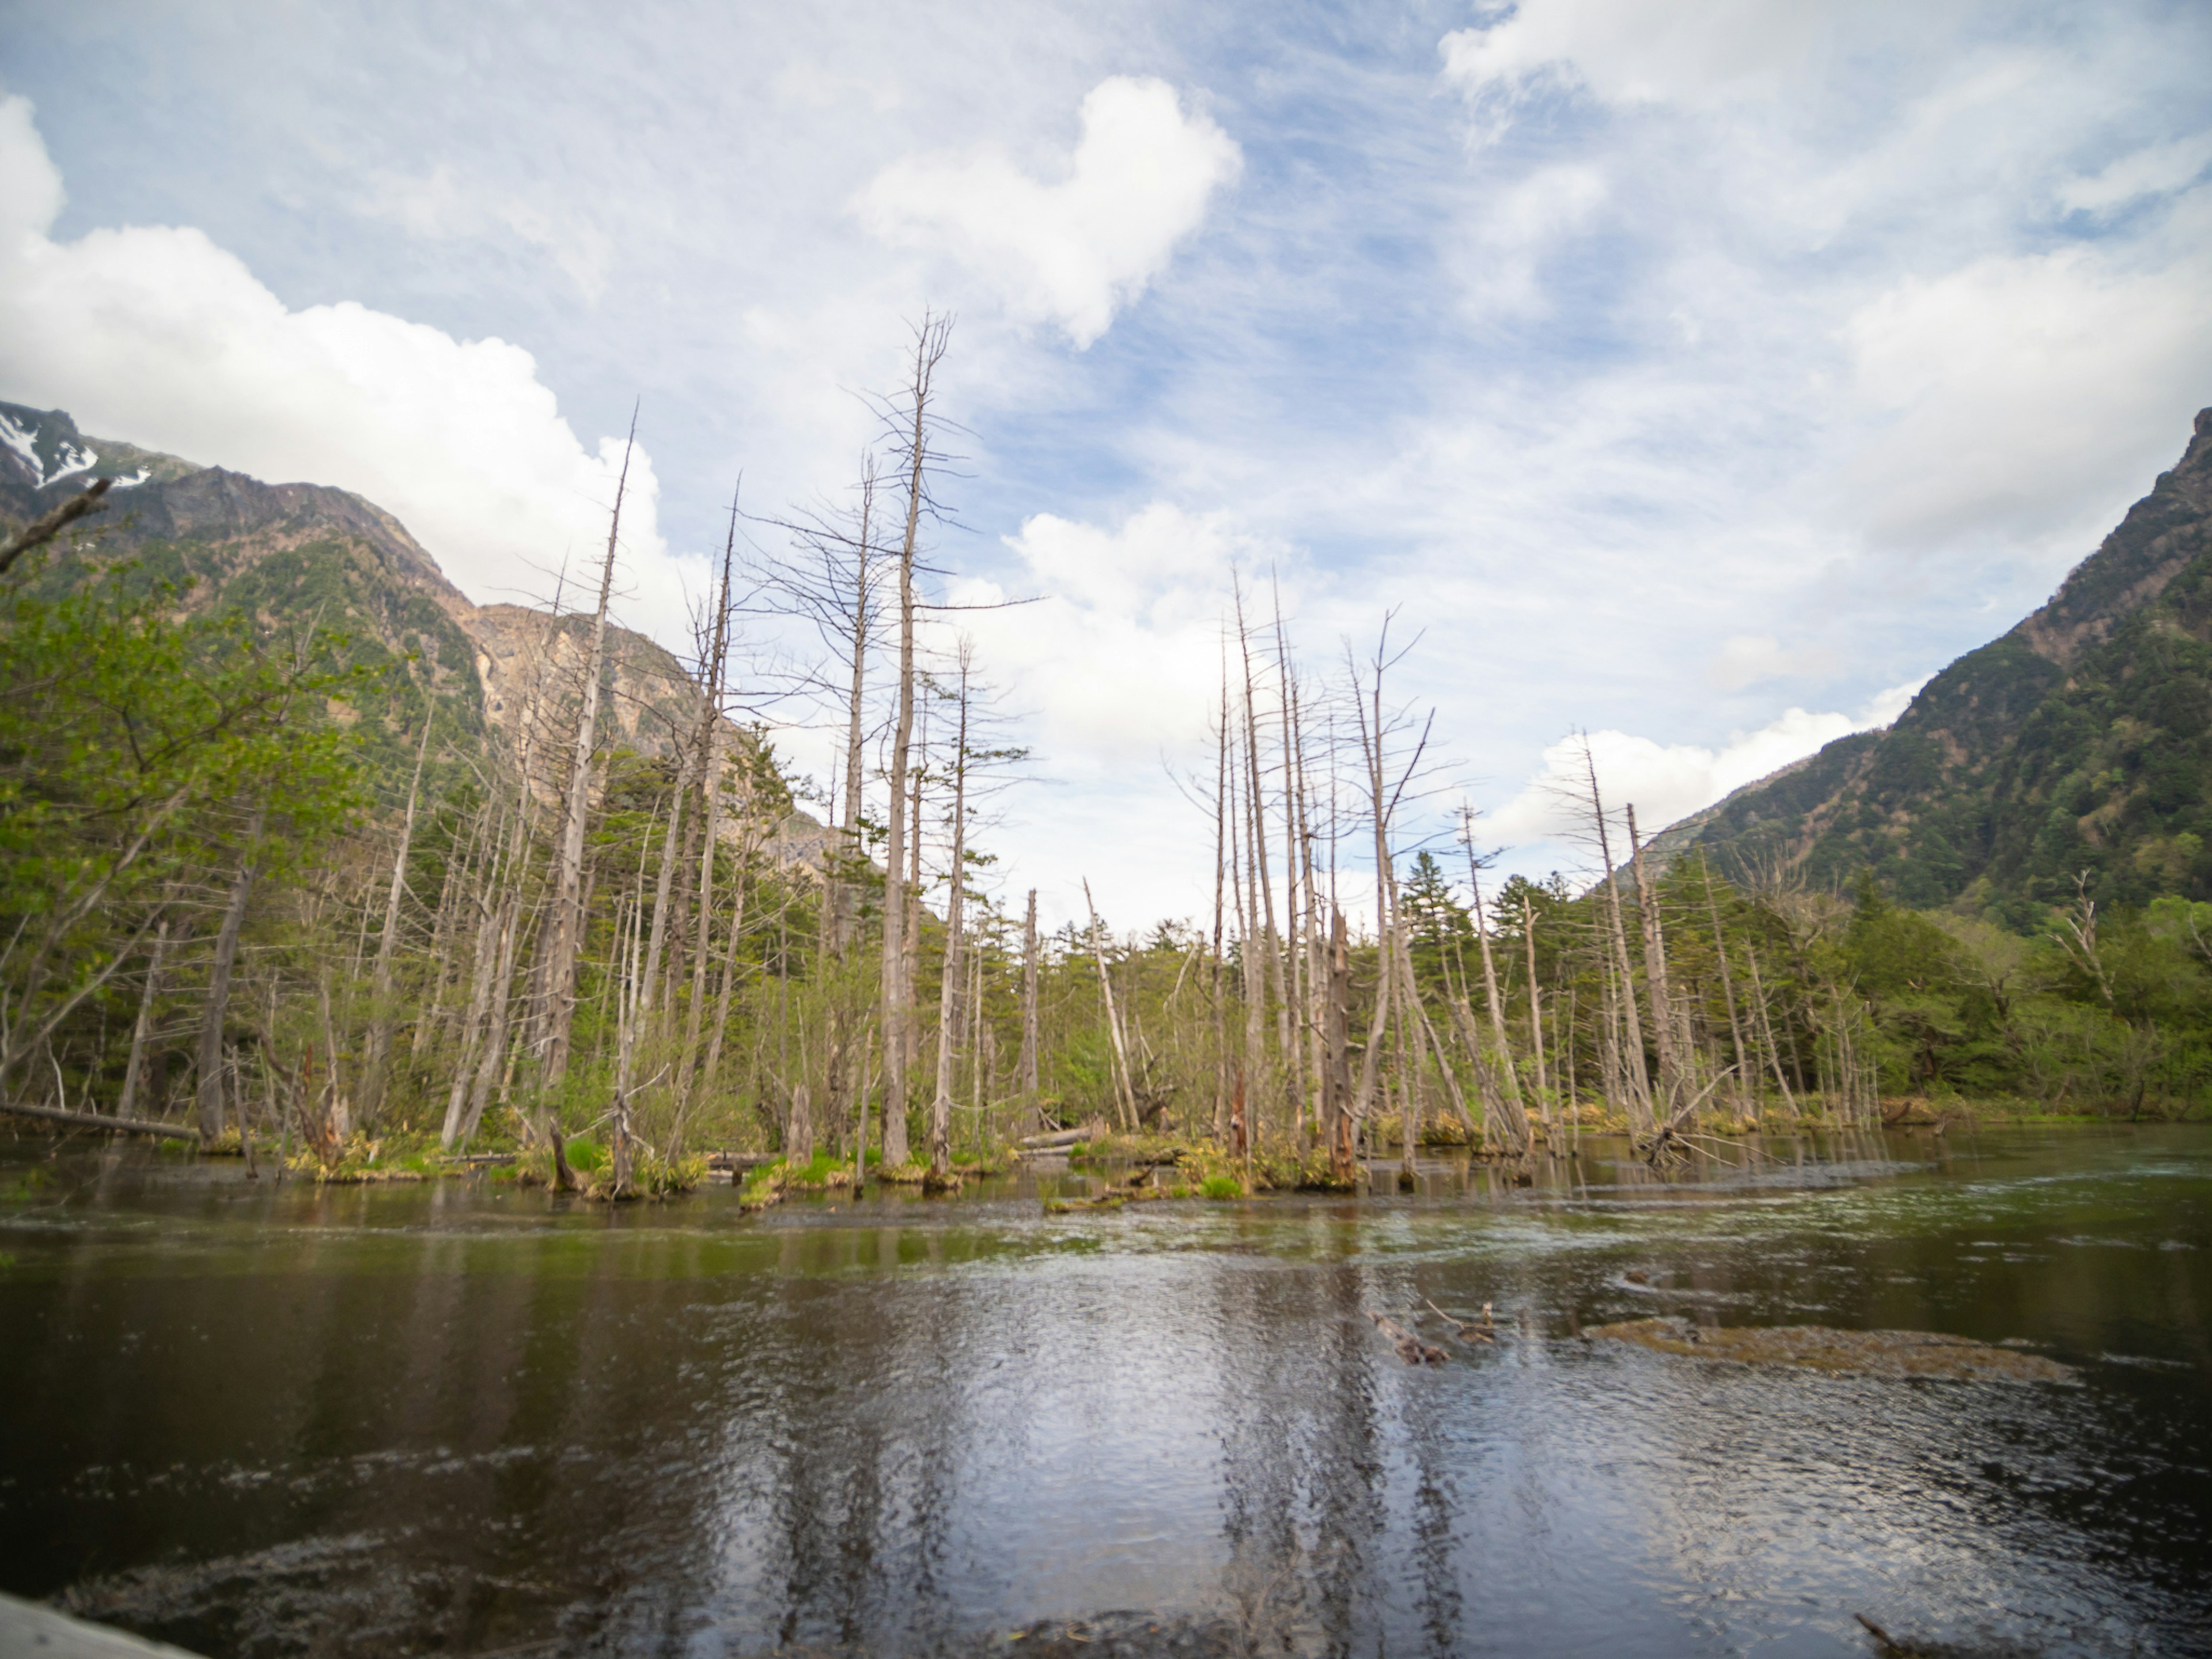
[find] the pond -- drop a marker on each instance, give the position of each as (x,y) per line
(461,1417)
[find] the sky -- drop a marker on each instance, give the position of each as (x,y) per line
(1699,377)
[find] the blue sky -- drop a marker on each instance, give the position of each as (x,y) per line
(1702,376)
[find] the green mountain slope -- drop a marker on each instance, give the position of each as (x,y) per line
(2080,742)
(302,556)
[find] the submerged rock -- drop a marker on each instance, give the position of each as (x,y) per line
(1863,1353)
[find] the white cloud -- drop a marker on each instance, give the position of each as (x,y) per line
(2157,170)
(1117,670)
(1665,782)
(1746,659)
(1120,658)
(1076,251)
(2005,392)
(1629,50)
(156,336)
(1529,222)
(435,206)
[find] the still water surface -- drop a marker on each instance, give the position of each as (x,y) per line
(461,1419)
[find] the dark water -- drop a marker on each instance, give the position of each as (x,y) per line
(460,1419)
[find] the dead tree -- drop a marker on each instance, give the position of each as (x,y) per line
(940,1110)
(1028,1059)
(929,341)
(209,1078)
(564,924)
(379,1023)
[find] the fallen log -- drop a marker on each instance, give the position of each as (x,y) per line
(1411,1348)
(1057,1138)
(129,1125)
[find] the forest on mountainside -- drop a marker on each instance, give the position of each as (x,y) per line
(298,866)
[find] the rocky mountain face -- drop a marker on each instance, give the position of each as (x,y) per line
(2081,742)
(300,556)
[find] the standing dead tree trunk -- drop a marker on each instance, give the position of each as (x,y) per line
(1336,1104)
(134,1072)
(1510,1123)
(948,998)
(706,765)
(209,1077)
(1030,1119)
(1124,1094)
(1728,979)
(1674,1085)
(1535,1012)
(914,433)
(1635,1076)
(564,925)
(379,1020)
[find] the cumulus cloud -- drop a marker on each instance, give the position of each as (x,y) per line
(1075,251)
(1116,670)
(1665,782)
(1121,656)
(154,335)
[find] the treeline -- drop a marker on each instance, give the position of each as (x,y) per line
(564,929)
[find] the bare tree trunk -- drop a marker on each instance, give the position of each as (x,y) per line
(558,991)
(210,1075)
(1535,1013)
(1728,981)
(1124,1094)
(929,344)
(1220,872)
(1263,888)
(1336,1072)
(1258,942)
(711,1071)
(1673,1085)
(910,969)
(948,997)
(134,1072)
(1773,1053)
(490,937)
(707,765)
(1029,1121)
(1513,1118)
(379,1021)
(855,705)
(1637,1078)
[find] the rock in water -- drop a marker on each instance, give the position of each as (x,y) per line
(1860,1353)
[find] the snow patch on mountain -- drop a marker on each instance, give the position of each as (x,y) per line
(23,440)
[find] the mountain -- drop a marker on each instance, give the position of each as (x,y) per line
(2079,742)
(298,556)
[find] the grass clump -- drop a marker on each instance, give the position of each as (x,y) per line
(650,1177)
(362,1160)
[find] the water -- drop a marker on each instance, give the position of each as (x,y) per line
(461,1419)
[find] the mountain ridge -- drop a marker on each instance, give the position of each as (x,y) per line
(2072,744)
(295,554)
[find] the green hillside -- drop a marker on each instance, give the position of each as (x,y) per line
(2080,743)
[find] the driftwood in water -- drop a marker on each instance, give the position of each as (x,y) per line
(1411,1348)
(1485,1332)
(131,1126)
